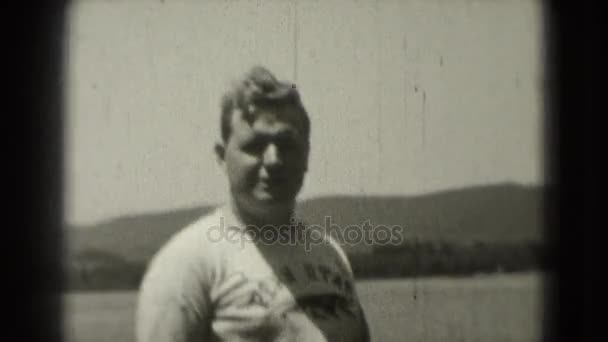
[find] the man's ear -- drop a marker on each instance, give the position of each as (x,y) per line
(220,153)
(307,157)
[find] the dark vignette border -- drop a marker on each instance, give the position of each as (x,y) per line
(573,70)
(34,46)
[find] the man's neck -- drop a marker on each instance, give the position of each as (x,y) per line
(262,218)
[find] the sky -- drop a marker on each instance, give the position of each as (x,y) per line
(405,97)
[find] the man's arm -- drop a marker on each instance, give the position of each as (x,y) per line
(167,321)
(173,304)
(346,264)
(366,334)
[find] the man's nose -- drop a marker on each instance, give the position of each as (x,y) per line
(271,156)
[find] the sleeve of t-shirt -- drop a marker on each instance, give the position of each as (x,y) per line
(346,264)
(173,303)
(341,255)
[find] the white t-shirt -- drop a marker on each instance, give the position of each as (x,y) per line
(213,282)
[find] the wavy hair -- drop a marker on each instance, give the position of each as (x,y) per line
(259,88)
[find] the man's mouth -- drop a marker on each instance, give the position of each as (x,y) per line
(274,180)
(271,183)
(274,186)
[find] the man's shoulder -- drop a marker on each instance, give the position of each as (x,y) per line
(191,239)
(336,248)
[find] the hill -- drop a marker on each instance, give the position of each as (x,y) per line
(134,238)
(505,213)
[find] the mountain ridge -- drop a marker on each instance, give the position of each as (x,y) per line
(504,212)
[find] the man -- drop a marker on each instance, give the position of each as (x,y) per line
(244,273)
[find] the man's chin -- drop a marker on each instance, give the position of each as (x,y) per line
(274,201)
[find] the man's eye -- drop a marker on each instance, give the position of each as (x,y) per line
(254,147)
(287,145)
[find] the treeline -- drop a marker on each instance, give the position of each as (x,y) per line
(441,258)
(99,270)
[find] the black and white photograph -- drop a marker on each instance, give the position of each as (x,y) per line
(304,170)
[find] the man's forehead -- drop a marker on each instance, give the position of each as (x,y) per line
(284,116)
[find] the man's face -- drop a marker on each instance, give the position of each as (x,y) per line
(266,159)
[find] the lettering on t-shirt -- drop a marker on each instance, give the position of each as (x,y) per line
(321,306)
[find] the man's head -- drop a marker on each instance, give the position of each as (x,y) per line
(265,144)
